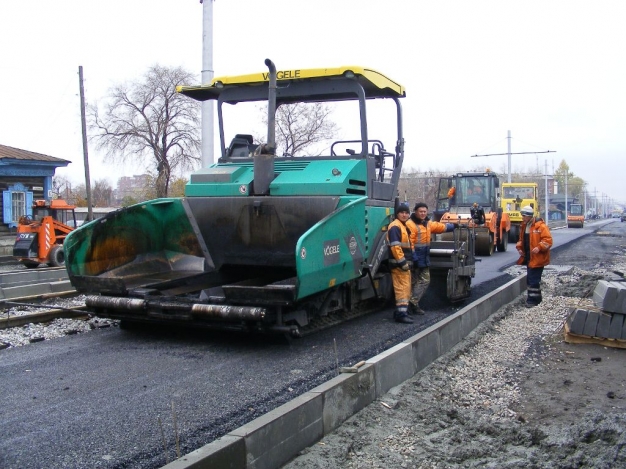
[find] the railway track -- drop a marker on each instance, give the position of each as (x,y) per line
(12,318)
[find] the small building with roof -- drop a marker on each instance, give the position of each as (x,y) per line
(24,176)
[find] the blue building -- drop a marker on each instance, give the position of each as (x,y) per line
(24,176)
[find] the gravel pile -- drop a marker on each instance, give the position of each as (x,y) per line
(476,406)
(37,332)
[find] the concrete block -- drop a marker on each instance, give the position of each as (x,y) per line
(470,319)
(227,452)
(591,323)
(604,323)
(426,347)
(576,321)
(392,367)
(621,298)
(450,333)
(274,438)
(615,329)
(605,296)
(345,395)
(61,286)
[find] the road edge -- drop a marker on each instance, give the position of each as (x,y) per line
(273,439)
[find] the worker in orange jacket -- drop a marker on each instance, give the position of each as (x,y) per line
(400,252)
(421,230)
(533,246)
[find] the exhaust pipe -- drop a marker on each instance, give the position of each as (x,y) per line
(264,156)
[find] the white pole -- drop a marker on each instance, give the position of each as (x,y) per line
(509,153)
(547,211)
(566,211)
(207,76)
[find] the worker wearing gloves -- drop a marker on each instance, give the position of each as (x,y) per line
(400,252)
(421,228)
(533,246)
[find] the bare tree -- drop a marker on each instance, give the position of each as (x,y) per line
(300,126)
(78,195)
(147,119)
(61,187)
(102,193)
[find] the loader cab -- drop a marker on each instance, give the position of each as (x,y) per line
(58,209)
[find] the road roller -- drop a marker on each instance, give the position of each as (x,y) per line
(473,199)
(575,216)
(516,195)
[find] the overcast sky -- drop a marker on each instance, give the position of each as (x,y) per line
(553,72)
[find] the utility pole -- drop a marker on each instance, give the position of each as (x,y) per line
(207,76)
(547,211)
(509,154)
(85,151)
(566,204)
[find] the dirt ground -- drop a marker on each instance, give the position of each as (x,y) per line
(513,394)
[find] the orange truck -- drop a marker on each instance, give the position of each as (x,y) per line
(40,236)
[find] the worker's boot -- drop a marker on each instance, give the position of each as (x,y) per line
(402,317)
(415,309)
(534,296)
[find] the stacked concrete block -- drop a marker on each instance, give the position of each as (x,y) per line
(599,324)
(610,296)
(610,322)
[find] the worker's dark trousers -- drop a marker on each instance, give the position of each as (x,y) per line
(533,282)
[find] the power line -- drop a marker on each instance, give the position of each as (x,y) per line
(517,153)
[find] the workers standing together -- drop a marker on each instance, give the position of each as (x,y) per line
(408,237)
(533,246)
(421,228)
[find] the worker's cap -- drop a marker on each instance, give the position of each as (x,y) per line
(527,211)
(403,207)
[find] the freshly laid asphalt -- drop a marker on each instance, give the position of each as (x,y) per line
(113,398)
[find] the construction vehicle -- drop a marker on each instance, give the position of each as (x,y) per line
(453,262)
(260,242)
(473,199)
(575,216)
(40,235)
(516,195)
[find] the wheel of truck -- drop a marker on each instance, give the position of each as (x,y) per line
(57,256)
(504,243)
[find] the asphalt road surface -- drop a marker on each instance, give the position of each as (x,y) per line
(113,398)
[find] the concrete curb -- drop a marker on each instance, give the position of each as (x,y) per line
(273,439)
(34,282)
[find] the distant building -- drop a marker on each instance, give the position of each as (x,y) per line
(132,186)
(24,176)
